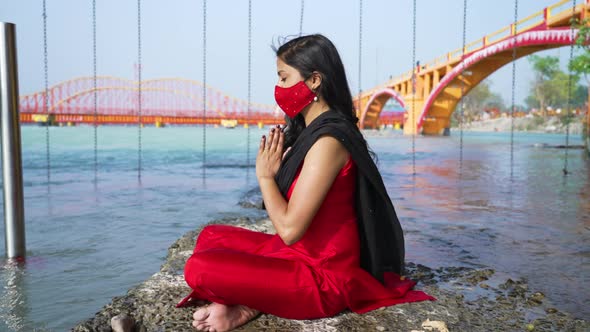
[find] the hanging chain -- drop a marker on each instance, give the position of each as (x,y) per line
(301,18)
(46,99)
(569,96)
(461,101)
(414,124)
(360,52)
(139,69)
(249,86)
(513,93)
(204,87)
(95,91)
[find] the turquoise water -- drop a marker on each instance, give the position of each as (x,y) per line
(88,242)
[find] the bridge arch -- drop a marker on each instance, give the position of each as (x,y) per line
(75,95)
(437,96)
(435,88)
(375,104)
(125,98)
(441,102)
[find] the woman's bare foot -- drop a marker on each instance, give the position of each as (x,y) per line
(219,317)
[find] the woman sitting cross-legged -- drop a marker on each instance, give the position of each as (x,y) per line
(338,241)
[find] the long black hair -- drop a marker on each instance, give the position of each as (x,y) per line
(317,53)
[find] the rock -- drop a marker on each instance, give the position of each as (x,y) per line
(122,323)
(536,298)
(479,275)
(252,199)
(435,325)
(151,304)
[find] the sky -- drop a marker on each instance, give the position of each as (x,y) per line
(172,43)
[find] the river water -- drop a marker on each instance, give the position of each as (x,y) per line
(88,241)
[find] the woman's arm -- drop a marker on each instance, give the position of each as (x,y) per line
(321,165)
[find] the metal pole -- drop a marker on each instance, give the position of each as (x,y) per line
(14,214)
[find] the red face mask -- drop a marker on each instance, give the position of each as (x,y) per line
(293,100)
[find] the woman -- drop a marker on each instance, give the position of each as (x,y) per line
(338,242)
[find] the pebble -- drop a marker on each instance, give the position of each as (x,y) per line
(122,323)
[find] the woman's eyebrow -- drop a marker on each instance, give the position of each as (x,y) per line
(279,72)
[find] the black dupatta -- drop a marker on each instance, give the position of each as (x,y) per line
(381,235)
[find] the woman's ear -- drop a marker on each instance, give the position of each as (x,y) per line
(316,80)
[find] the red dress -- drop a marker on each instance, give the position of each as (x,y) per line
(318,276)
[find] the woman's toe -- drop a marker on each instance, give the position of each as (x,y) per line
(201,314)
(200,326)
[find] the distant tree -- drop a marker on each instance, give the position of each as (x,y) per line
(581,63)
(559,88)
(475,99)
(551,86)
(580,96)
(478,99)
(545,70)
(531,102)
(496,101)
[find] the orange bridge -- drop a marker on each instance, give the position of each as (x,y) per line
(438,85)
(163,101)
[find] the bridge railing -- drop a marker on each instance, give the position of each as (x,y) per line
(455,54)
(522,25)
(440,60)
(496,36)
(474,46)
(545,16)
(560,8)
(529,22)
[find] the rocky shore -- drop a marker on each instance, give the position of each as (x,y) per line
(468,300)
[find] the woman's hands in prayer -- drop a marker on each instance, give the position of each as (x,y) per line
(321,165)
(270,154)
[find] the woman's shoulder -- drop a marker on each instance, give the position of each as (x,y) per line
(330,145)
(328,149)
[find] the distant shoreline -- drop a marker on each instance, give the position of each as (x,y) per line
(533,124)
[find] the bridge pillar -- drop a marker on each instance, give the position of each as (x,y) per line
(426,88)
(413,109)
(436,78)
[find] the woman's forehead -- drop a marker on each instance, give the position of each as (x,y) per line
(282,66)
